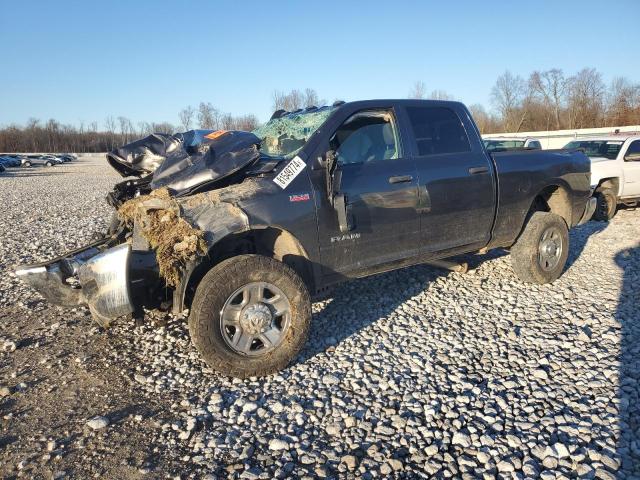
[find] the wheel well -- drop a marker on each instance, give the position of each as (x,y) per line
(613,183)
(270,242)
(554,199)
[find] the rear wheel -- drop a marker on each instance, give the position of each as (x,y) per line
(606,205)
(540,253)
(49,164)
(250,316)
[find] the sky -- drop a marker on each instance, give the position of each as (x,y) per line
(81,61)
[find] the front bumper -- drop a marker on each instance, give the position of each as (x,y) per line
(94,275)
(588,210)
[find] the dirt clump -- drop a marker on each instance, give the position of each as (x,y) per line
(174,240)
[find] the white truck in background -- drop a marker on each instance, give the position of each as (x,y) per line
(615,171)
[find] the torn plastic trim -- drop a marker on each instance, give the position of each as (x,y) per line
(103,277)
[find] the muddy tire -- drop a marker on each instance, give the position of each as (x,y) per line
(250,316)
(606,205)
(540,253)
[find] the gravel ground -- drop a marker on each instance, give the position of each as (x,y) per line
(414,373)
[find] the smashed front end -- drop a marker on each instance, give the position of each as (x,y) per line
(167,218)
(101,275)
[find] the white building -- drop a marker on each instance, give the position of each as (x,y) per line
(559,138)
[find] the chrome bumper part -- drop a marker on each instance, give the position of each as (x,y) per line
(93,277)
(588,211)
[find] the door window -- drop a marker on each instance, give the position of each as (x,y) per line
(366,137)
(438,130)
(633,153)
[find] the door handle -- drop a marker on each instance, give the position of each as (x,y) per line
(477,170)
(400,179)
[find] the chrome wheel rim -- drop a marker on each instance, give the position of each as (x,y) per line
(255,318)
(550,248)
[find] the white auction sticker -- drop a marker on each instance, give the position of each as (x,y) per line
(291,171)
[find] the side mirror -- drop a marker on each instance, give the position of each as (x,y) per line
(632,157)
(332,175)
(333,179)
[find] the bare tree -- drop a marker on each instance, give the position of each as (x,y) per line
(550,86)
(507,96)
(440,95)
(623,102)
(186,117)
(419,90)
(481,117)
(585,98)
(208,116)
(126,129)
(311,98)
(295,99)
(247,123)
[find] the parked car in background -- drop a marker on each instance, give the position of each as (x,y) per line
(615,171)
(2,169)
(10,161)
(501,144)
(41,160)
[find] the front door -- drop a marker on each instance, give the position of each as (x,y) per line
(380,187)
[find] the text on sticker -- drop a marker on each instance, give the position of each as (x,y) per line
(288,173)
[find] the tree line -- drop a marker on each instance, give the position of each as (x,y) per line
(550,100)
(545,100)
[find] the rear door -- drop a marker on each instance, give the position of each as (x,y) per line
(379,181)
(632,170)
(456,179)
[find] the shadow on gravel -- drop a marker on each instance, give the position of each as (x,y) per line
(338,320)
(578,238)
(628,316)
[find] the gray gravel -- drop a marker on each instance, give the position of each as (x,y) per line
(414,373)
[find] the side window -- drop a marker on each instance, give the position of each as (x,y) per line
(366,136)
(633,152)
(535,144)
(438,130)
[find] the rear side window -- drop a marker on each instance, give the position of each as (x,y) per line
(535,144)
(437,130)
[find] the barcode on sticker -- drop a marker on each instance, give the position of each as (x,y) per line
(291,171)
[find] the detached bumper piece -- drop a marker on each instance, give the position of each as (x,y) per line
(588,211)
(92,276)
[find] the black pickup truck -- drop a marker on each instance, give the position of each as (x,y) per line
(244,228)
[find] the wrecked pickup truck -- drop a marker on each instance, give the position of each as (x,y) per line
(243,229)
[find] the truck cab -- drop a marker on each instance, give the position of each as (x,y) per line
(615,171)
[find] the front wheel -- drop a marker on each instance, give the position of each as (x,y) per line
(540,253)
(606,205)
(250,316)
(49,164)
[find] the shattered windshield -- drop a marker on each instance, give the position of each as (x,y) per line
(286,135)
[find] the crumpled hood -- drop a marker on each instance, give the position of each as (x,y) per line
(184,161)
